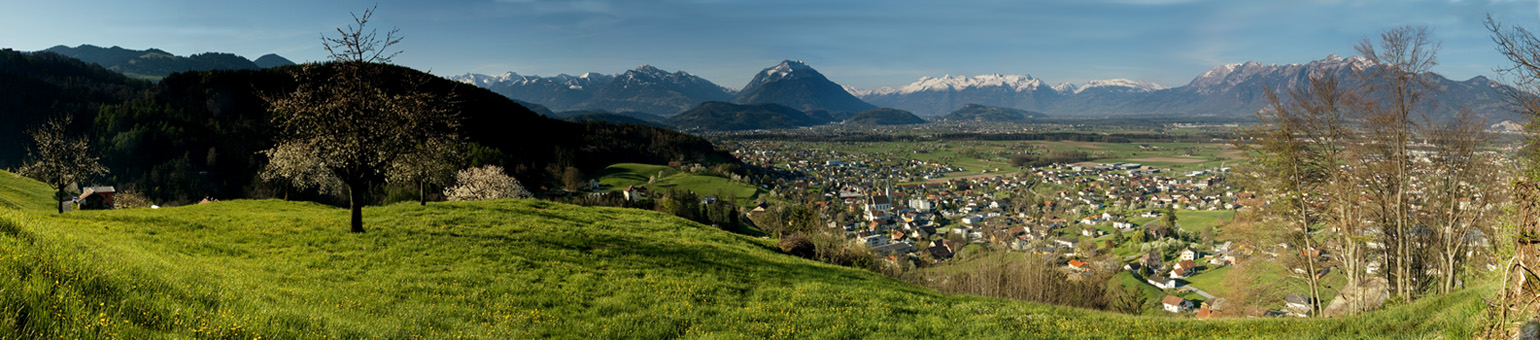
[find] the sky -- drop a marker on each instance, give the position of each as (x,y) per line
(860,43)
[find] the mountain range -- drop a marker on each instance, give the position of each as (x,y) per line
(793,84)
(155,63)
(1230,91)
(644,89)
(1233,90)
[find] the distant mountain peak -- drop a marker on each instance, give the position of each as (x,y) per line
(272,60)
(786,69)
(1123,84)
(646,88)
(645,68)
(1018,83)
(154,63)
(795,84)
(1230,75)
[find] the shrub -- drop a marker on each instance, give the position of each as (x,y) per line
(484,183)
(797,244)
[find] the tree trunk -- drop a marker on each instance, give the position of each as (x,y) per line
(422,193)
(58,197)
(356,205)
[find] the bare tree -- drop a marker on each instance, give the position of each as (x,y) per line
(1396,88)
(1295,163)
(1522,48)
(1462,189)
(346,116)
(484,183)
(354,44)
(60,160)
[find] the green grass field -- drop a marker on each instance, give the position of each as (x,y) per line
(1198,221)
(29,196)
(516,269)
(1209,281)
(618,176)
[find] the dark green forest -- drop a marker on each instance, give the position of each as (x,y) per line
(197,134)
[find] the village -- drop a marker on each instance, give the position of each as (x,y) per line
(1086,217)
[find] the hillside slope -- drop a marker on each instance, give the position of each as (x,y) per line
(22,193)
(729,116)
(516,269)
(884,116)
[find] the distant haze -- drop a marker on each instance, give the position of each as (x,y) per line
(864,43)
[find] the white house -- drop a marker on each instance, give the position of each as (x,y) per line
(1161,281)
(1189,254)
(1175,304)
(876,240)
(1124,226)
(972,219)
(920,204)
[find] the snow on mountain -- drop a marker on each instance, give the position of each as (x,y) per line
(796,85)
(1019,83)
(1127,85)
(645,89)
(484,80)
(1221,78)
(786,69)
(1065,88)
(949,83)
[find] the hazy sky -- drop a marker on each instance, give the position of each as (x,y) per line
(862,43)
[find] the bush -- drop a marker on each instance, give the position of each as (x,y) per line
(484,183)
(797,244)
(130,199)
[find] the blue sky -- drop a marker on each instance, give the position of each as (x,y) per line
(862,43)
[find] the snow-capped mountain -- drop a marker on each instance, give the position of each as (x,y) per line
(1224,78)
(644,89)
(560,93)
(796,85)
(1233,90)
(649,89)
(960,83)
(931,96)
(1118,85)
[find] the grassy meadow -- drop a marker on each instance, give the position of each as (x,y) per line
(618,176)
(516,269)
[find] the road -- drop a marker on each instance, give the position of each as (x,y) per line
(1205,295)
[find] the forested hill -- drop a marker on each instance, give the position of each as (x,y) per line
(155,63)
(197,134)
(36,86)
